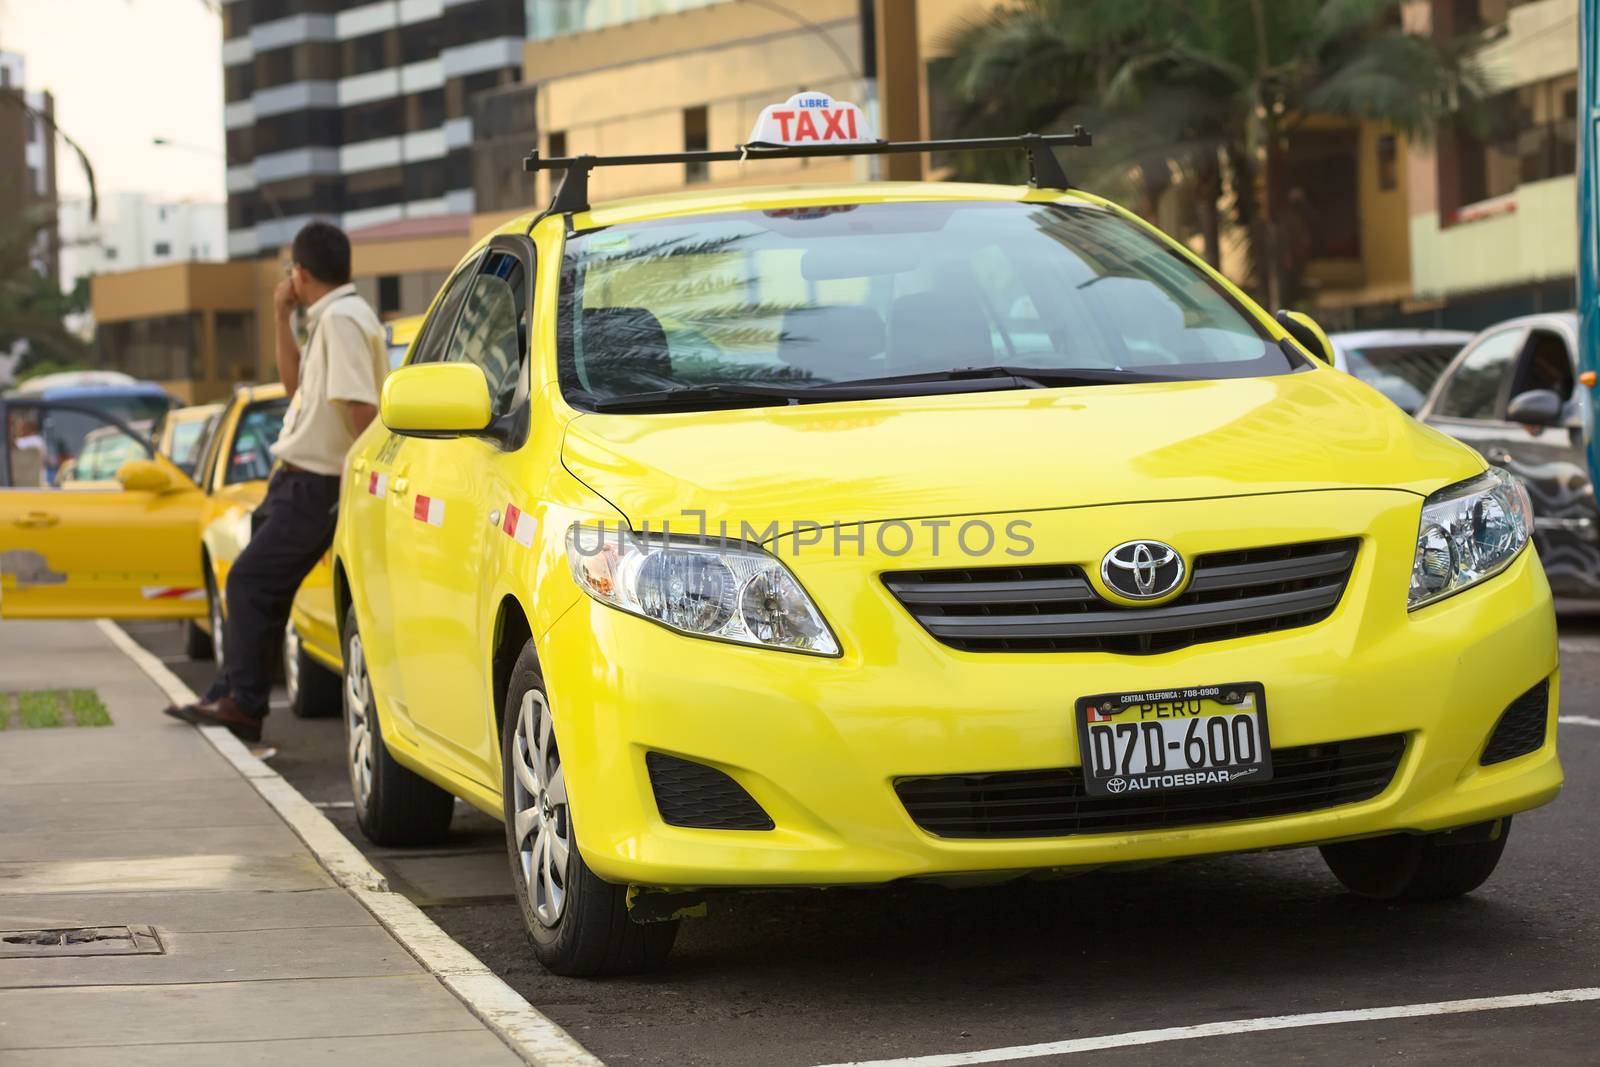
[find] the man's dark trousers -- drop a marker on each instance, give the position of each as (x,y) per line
(292,528)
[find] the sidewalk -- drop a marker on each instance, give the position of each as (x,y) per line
(264,957)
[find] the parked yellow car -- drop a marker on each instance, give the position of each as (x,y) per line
(232,472)
(115,535)
(181,434)
(312,658)
(837,535)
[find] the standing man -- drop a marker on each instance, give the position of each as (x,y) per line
(333,387)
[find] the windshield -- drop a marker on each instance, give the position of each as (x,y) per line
(813,296)
(250,459)
(68,428)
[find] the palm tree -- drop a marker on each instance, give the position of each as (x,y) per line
(31,304)
(1202,88)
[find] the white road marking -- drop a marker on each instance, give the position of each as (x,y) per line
(1579,720)
(325,804)
(528,1033)
(1237,1026)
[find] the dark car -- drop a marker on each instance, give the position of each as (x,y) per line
(1512,394)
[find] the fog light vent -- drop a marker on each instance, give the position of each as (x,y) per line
(1521,727)
(694,795)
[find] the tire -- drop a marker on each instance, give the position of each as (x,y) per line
(196,642)
(577,924)
(314,691)
(219,623)
(394,805)
(1417,866)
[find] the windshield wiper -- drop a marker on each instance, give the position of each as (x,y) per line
(718,392)
(1023,377)
(933,383)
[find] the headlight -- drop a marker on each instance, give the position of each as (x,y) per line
(1470,531)
(727,590)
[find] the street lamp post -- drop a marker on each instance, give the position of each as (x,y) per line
(227,161)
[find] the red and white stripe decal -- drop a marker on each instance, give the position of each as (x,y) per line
(378,484)
(428,509)
(519,526)
(172,592)
(1095,715)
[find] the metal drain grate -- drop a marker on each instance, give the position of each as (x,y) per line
(80,941)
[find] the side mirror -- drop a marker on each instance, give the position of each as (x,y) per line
(1304,329)
(1536,407)
(144,476)
(436,400)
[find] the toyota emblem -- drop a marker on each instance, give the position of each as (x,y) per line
(1142,570)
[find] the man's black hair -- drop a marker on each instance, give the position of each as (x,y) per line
(324,251)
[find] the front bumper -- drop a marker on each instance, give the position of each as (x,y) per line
(819,743)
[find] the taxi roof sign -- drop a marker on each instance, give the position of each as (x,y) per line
(812,118)
(839,129)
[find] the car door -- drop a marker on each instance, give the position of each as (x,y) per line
(1550,461)
(87,547)
(437,534)
(378,498)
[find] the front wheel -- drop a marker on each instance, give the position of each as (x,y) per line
(1419,866)
(394,805)
(577,923)
(219,622)
(312,689)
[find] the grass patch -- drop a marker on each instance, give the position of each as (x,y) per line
(41,709)
(87,708)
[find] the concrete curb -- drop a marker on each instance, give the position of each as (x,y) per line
(502,1009)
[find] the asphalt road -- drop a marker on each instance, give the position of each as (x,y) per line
(846,975)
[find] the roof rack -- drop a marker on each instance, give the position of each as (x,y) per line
(573,193)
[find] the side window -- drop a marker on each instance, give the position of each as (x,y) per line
(493,330)
(250,456)
(1545,364)
(430,347)
(65,448)
(1473,389)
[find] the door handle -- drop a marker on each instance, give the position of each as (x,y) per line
(38,519)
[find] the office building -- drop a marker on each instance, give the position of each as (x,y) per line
(356,112)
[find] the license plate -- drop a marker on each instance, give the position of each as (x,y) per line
(1138,743)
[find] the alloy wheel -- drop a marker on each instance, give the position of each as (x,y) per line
(358,720)
(543,827)
(219,628)
(291,663)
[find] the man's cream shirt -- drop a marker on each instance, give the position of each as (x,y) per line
(343,363)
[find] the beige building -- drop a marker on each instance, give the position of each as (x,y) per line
(1493,219)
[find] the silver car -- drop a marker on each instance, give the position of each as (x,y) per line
(1400,364)
(1512,394)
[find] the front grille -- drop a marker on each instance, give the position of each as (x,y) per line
(703,798)
(1053,608)
(1521,727)
(1053,803)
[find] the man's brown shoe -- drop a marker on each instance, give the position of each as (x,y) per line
(221,712)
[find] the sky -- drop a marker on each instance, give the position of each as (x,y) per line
(123,72)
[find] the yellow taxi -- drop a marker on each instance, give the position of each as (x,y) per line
(312,658)
(181,434)
(842,534)
(111,533)
(232,471)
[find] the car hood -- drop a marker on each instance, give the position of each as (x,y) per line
(1011,451)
